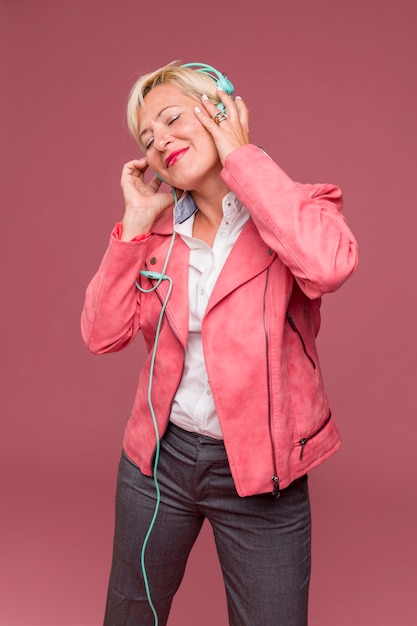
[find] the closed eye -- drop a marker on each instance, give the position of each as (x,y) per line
(170,121)
(173,119)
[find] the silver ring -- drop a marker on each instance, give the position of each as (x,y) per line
(220,117)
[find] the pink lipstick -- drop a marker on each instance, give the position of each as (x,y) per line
(174,156)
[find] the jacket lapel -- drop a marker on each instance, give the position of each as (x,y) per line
(250,256)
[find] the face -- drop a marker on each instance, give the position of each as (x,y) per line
(176,144)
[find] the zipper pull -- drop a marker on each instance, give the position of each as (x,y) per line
(275,491)
(302,443)
(291,321)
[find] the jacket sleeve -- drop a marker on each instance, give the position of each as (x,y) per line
(302,223)
(110,316)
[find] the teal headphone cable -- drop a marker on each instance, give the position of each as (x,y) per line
(222,82)
(159,277)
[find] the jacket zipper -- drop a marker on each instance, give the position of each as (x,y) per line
(275,480)
(318,430)
(295,329)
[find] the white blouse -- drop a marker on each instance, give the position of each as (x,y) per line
(193,407)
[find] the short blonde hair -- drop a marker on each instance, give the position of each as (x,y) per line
(190,81)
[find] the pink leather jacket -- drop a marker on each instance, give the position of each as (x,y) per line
(258,331)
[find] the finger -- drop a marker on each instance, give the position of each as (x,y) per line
(140,165)
(224,97)
(213,109)
(209,107)
(241,106)
(243,113)
(206,119)
(155,183)
(229,104)
(136,163)
(136,168)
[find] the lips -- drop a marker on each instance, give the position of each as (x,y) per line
(174,156)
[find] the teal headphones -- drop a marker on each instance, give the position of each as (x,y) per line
(221,79)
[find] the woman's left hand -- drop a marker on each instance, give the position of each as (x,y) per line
(229,132)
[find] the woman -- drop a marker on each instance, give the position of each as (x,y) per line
(230,411)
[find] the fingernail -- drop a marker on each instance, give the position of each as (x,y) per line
(205,96)
(219,88)
(197,110)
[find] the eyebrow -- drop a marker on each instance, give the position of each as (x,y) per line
(146,130)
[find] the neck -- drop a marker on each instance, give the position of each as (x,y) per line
(210,212)
(210,202)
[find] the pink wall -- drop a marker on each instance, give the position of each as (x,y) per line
(332,92)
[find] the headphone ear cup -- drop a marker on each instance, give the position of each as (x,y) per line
(225,84)
(221,79)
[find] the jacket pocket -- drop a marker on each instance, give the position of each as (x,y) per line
(297,332)
(304,440)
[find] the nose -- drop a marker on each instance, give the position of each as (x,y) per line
(161,138)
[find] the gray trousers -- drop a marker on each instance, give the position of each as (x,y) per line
(263,544)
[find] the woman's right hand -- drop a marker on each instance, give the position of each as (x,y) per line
(143,203)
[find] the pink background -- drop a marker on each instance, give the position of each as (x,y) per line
(332,91)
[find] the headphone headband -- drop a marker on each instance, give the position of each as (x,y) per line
(221,79)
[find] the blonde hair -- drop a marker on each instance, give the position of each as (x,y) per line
(192,82)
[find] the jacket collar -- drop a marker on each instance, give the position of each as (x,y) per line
(249,257)
(175,214)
